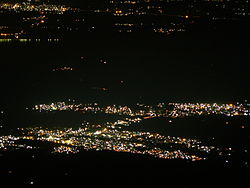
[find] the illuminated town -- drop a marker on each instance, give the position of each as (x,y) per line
(147,111)
(71,141)
(119,17)
(188,109)
(111,136)
(63,69)
(95,138)
(18,7)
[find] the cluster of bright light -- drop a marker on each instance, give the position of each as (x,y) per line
(168,31)
(146,111)
(125,122)
(30,7)
(72,141)
(163,29)
(121,110)
(124,24)
(6,141)
(13,35)
(189,109)
(128,12)
(123,2)
(237,7)
(60,106)
(110,136)
(66,149)
(10,141)
(26,40)
(63,69)
(122,122)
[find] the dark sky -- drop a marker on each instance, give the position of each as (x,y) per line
(187,68)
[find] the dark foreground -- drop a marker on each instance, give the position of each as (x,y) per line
(96,169)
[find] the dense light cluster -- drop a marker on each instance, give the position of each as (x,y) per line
(121,110)
(59,9)
(60,106)
(146,111)
(7,141)
(110,135)
(168,31)
(126,122)
(189,109)
(66,149)
(10,141)
(128,12)
(71,141)
(63,69)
